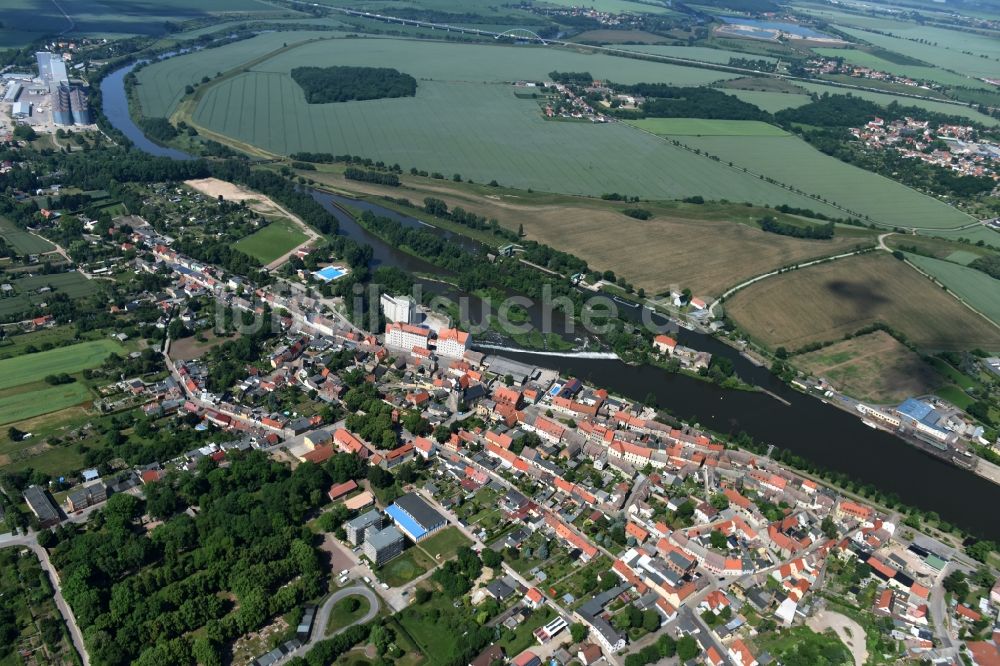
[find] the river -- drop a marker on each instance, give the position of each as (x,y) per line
(827,435)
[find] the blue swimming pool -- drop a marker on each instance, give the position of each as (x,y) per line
(330,273)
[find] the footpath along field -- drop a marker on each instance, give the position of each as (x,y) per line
(789,159)
(161,84)
(21,240)
(975,287)
(20,406)
(706,127)
(826,301)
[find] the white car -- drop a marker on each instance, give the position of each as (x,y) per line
(345,572)
(368,580)
(384,586)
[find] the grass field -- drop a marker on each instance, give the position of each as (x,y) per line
(72,284)
(425,627)
(669,249)
(341,617)
(413,563)
(22,241)
(703,127)
(865,59)
(975,287)
(873,367)
(274,240)
(444,543)
(826,301)
(34,367)
(772,102)
(41,400)
(791,160)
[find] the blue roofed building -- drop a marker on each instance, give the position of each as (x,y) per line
(925,421)
(415,517)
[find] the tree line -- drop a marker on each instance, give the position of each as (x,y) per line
(377,177)
(815,231)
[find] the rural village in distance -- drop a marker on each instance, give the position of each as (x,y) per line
(544,333)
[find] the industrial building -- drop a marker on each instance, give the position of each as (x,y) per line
(78,107)
(20,109)
(453,342)
(51,69)
(406,336)
(383,545)
(62,112)
(400,309)
(89,495)
(415,517)
(42,506)
(356,528)
(13,92)
(924,419)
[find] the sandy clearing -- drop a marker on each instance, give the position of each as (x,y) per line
(258,202)
(849,631)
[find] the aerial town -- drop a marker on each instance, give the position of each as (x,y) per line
(541,333)
(616,535)
(950,146)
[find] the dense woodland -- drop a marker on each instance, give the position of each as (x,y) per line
(666,101)
(323,85)
(242,559)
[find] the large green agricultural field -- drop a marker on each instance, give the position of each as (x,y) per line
(447,61)
(947,58)
(480,131)
(826,301)
(974,287)
(161,85)
(792,161)
(21,240)
(701,53)
(703,127)
(865,59)
(274,240)
(74,358)
(30,403)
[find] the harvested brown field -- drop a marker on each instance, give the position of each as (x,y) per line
(874,367)
(826,301)
(701,247)
(191,348)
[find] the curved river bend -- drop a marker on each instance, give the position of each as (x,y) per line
(829,436)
